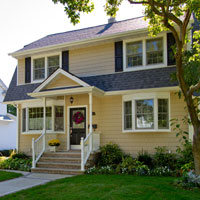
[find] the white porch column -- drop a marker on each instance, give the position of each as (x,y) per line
(90,105)
(44,122)
(18,126)
(90,131)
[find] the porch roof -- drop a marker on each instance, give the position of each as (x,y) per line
(144,79)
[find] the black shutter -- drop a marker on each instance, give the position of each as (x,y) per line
(65,60)
(28,70)
(118,56)
(170,54)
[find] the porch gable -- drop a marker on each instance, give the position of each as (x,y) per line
(59,79)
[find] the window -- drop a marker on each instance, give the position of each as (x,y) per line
(59,118)
(145,53)
(44,67)
(53,64)
(134,54)
(35,118)
(163,114)
(154,51)
(38,68)
(128,115)
(146,112)
(49,118)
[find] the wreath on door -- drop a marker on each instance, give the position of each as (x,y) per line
(78,117)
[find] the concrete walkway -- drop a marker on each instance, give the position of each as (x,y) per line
(28,180)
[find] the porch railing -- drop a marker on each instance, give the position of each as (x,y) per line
(38,148)
(86,149)
(89,144)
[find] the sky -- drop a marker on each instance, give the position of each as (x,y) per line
(24,21)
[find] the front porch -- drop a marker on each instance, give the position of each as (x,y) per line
(75,135)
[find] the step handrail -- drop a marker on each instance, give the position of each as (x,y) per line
(35,156)
(85,155)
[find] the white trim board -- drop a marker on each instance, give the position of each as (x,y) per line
(56,73)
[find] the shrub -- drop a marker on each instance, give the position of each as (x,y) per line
(187,167)
(132,166)
(6,153)
(110,155)
(19,155)
(16,164)
(145,158)
(163,158)
(185,155)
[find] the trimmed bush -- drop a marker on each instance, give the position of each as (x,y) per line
(110,155)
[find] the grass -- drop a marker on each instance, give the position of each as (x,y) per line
(107,187)
(8,175)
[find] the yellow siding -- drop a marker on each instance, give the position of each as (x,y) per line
(61,81)
(21,71)
(108,117)
(111,128)
(93,60)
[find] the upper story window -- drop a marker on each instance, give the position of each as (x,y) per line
(134,54)
(44,66)
(154,51)
(39,69)
(145,53)
(53,64)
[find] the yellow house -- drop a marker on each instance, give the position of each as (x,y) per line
(89,87)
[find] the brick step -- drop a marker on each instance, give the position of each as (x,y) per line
(60,160)
(57,171)
(58,165)
(62,154)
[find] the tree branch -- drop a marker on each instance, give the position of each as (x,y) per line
(185,24)
(194,88)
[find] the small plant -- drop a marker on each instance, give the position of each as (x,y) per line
(161,171)
(163,158)
(100,170)
(54,142)
(110,155)
(145,158)
(190,180)
(187,167)
(19,155)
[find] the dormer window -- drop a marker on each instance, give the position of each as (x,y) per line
(53,64)
(145,53)
(42,67)
(134,54)
(154,52)
(39,69)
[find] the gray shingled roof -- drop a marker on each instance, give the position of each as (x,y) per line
(144,79)
(88,33)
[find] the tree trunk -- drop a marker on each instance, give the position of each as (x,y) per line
(196,149)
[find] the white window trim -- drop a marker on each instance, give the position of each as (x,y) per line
(140,96)
(51,104)
(144,61)
(45,56)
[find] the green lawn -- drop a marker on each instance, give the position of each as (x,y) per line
(8,175)
(115,187)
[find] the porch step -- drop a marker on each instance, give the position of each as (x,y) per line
(59,165)
(57,171)
(62,162)
(64,154)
